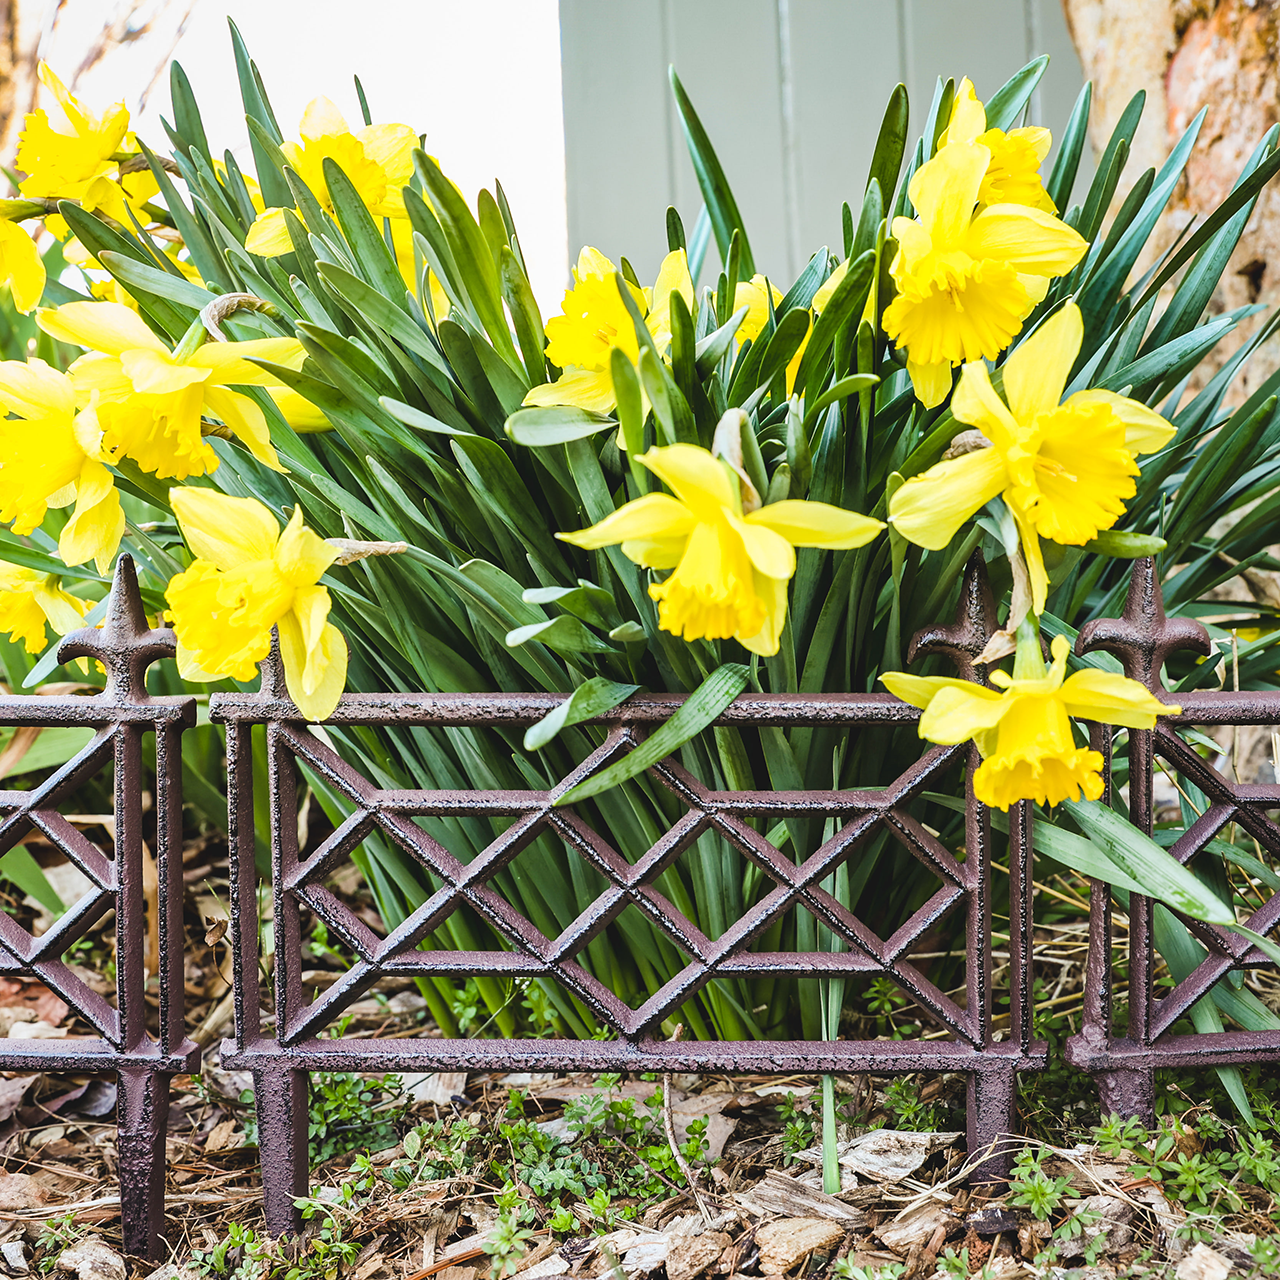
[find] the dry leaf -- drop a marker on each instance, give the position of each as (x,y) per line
(20,1191)
(221,1137)
(92,1259)
(1203,1263)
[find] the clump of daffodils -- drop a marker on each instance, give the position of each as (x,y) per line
(718,541)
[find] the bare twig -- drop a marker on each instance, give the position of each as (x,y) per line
(669,1125)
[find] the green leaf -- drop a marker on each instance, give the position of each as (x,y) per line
(1063,178)
(710,350)
(1145,867)
(186,114)
(368,247)
(700,709)
(564,634)
(137,277)
(554,424)
(21,869)
(587,700)
(848,300)
(1006,104)
(275,191)
(477,271)
(720,204)
(587,601)
(891,143)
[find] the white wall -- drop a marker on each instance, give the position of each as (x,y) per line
(481,78)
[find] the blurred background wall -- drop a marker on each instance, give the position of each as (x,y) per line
(568,102)
(791,93)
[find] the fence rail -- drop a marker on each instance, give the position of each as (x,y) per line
(302,1038)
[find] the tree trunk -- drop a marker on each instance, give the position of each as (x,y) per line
(1188,54)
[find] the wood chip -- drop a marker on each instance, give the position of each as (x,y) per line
(787,1242)
(1203,1263)
(690,1256)
(780,1193)
(915,1228)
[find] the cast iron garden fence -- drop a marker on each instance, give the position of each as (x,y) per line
(301,1037)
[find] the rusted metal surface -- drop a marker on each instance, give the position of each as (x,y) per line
(300,1037)
(1124,1066)
(142,1058)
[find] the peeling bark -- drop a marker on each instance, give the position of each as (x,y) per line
(1188,54)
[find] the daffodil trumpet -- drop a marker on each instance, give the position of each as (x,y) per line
(1023,727)
(730,567)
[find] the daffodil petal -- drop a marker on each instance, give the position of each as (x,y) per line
(247,421)
(583,388)
(816,524)
(1034,558)
(770,553)
(110,327)
(1144,429)
(656,515)
(695,477)
(157,373)
(315,680)
(21,266)
(34,389)
(977,404)
(968,117)
(931,382)
(226,531)
(269,235)
(1036,371)
(302,555)
(919,691)
(1030,240)
(1112,699)
(956,714)
(945,189)
(230,361)
(928,509)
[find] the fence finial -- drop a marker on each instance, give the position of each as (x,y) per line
(125,644)
(974,623)
(1142,638)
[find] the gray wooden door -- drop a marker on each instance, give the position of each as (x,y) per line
(791,93)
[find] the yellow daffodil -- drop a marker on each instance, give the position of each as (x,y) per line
(1013,172)
(150,400)
(754,294)
(29,600)
(21,267)
(1065,470)
(75,155)
(378,159)
(594,320)
(731,568)
(965,283)
(1023,728)
(50,456)
(248,577)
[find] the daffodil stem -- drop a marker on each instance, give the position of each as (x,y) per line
(830,1154)
(194,338)
(1028,660)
